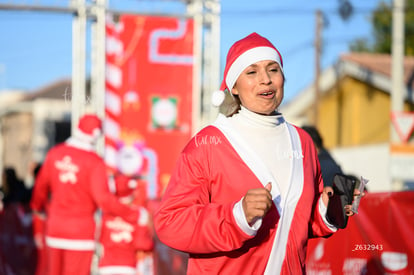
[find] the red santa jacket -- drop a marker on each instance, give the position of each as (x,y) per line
(73,184)
(119,239)
(196,212)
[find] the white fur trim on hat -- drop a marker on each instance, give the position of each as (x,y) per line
(248,58)
(91,138)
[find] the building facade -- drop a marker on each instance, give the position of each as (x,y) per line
(354,115)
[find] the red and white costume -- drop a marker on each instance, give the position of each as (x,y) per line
(121,240)
(199,215)
(72,184)
(201,211)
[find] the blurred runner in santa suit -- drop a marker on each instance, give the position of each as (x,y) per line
(72,184)
(122,242)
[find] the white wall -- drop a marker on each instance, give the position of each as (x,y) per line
(370,162)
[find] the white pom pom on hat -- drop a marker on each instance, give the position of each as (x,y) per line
(89,128)
(251,49)
(217,98)
(125,186)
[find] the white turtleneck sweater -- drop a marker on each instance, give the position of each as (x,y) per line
(268,136)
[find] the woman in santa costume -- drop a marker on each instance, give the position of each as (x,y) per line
(247,192)
(126,249)
(72,184)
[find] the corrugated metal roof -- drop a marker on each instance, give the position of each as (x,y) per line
(381,63)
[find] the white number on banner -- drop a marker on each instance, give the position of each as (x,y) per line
(156,57)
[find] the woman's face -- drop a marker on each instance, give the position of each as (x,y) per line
(260,87)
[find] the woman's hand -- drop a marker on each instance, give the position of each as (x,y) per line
(348,208)
(257,202)
(326,194)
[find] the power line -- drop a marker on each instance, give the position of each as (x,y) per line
(289,11)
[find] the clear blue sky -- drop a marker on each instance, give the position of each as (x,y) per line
(35,47)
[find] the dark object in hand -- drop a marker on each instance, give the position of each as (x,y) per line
(343,187)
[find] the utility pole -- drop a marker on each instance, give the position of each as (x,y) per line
(211,60)
(318,46)
(397,77)
(397,65)
(206,72)
(78,93)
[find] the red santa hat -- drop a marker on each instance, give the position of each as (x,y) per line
(125,186)
(251,49)
(89,128)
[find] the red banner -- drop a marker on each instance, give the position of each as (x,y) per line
(148,107)
(378,240)
(148,95)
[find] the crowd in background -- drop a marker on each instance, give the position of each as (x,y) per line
(17,248)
